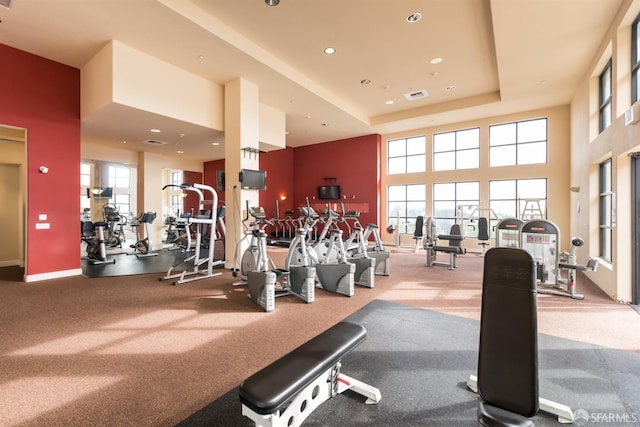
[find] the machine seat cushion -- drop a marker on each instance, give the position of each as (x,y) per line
(492,416)
(273,387)
(449,249)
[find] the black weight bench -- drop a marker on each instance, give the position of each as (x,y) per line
(507,379)
(287,391)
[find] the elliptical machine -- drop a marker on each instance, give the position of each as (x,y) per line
(143,246)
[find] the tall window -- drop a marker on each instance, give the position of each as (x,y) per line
(605,97)
(606,210)
(519,198)
(119,177)
(456,150)
(176,199)
(405,203)
(518,143)
(635,60)
(407,155)
(451,200)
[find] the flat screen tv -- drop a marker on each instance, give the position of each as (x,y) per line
(253,180)
(329,192)
(101,192)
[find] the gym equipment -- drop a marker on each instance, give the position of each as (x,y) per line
(365,265)
(93,236)
(507,378)
(287,391)
(377,251)
(251,257)
(508,233)
(541,238)
(114,232)
(483,233)
(258,270)
(143,246)
(568,263)
(418,233)
(453,248)
(200,221)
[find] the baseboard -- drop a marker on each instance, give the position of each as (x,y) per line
(52,275)
(12,262)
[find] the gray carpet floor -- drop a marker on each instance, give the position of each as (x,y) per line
(421,359)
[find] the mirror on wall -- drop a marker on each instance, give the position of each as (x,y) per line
(13,198)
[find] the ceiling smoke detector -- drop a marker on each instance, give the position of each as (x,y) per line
(417,94)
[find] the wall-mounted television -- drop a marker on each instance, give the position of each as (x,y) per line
(253,180)
(329,192)
(100,192)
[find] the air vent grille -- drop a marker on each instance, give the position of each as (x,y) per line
(5,3)
(155,142)
(417,94)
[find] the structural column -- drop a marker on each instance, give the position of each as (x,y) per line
(241,124)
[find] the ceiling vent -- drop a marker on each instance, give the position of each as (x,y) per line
(418,94)
(155,142)
(5,3)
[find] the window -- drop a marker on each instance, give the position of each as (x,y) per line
(176,199)
(635,60)
(405,203)
(519,198)
(122,202)
(119,177)
(406,155)
(451,200)
(605,97)
(518,143)
(606,210)
(456,150)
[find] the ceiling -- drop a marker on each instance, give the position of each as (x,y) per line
(498,57)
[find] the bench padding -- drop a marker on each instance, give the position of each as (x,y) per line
(271,388)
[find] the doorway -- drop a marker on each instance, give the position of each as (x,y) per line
(12,202)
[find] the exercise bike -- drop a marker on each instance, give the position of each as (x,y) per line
(92,234)
(143,246)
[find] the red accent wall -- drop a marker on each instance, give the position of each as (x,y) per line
(192,201)
(280,182)
(295,173)
(44,97)
(210,170)
(355,165)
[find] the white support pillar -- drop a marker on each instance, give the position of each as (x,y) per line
(241,117)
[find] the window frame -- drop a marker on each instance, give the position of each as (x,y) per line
(457,202)
(517,144)
(407,220)
(605,210)
(605,99)
(456,151)
(407,157)
(635,59)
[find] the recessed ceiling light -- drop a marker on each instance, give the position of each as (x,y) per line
(365,81)
(414,17)
(435,61)
(389,102)
(329,50)
(325,124)
(154,130)
(450,88)
(122,141)
(272,2)
(307,117)
(215,143)
(201,57)
(180,152)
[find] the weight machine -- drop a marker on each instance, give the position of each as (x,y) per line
(201,223)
